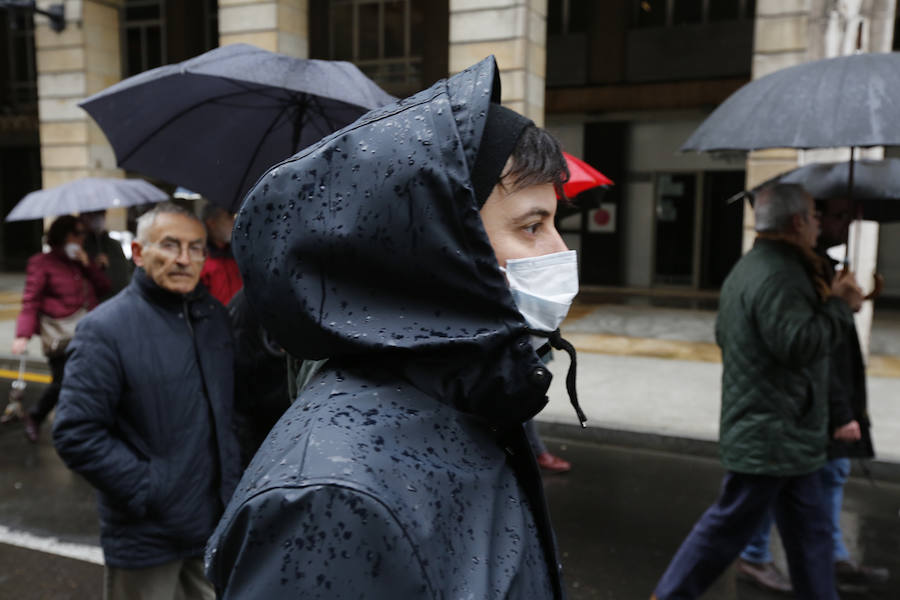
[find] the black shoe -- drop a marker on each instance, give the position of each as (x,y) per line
(765,575)
(851,573)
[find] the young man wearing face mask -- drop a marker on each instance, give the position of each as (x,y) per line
(416,250)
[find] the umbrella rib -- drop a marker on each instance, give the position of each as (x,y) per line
(137,146)
(238,192)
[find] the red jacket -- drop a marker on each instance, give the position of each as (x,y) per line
(220,274)
(57,286)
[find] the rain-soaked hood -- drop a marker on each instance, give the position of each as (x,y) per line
(369,245)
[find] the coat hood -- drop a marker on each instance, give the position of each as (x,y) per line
(370,245)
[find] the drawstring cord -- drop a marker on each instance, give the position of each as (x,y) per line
(556,340)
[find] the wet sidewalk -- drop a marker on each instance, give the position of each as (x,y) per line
(648,376)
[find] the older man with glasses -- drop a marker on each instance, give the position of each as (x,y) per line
(145,414)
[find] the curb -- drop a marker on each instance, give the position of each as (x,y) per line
(34,364)
(879,470)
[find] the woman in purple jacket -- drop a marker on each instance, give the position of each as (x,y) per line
(58,284)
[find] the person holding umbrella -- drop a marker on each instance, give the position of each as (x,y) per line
(61,286)
(850,435)
(779,321)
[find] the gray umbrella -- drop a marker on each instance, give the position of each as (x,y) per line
(216,122)
(876,187)
(844,101)
(85,195)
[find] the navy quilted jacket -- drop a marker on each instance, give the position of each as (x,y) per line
(145,415)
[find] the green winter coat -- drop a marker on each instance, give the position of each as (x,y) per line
(776,335)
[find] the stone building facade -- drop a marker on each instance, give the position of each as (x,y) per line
(621,82)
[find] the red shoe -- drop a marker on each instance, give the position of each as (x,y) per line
(552,463)
(31,428)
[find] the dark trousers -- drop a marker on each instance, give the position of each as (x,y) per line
(50,396)
(727,526)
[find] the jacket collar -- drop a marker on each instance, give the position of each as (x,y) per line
(149,289)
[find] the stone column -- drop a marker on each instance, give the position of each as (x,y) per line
(515,31)
(274,25)
(780,41)
(79,61)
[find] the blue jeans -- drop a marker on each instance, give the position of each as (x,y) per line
(834,475)
(727,526)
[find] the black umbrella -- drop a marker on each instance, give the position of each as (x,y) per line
(876,185)
(835,102)
(216,122)
(844,101)
(85,195)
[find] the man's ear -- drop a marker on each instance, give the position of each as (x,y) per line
(137,253)
(797,222)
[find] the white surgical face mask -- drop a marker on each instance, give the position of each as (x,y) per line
(543,288)
(71,250)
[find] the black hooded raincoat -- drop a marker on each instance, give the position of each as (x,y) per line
(402,470)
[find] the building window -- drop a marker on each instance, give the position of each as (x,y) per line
(20,76)
(211,19)
(674,13)
(384,38)
(144,35)
(565,17)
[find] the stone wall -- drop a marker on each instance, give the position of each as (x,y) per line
(515,31)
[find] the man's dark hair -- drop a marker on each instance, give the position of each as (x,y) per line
(60,230)
(536,159)
(211,211)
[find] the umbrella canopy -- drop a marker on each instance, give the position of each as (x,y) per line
(844,101)
(876,186)
(85,195)
(216,122)
(582,176)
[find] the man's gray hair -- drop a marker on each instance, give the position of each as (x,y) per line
(145,221)
(776,204)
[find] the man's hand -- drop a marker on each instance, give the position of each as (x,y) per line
(845,287)
(19,344)
(848,433)
(102,261)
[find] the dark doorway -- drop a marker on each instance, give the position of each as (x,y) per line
(606,149)
(723,226)
(20,173)
(675,228)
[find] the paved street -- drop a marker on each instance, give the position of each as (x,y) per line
(619,516)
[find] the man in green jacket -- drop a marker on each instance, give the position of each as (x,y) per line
(778,321)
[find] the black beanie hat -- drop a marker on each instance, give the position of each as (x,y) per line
(502,129)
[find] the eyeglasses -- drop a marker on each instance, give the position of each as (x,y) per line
(174,248)
(79,233)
